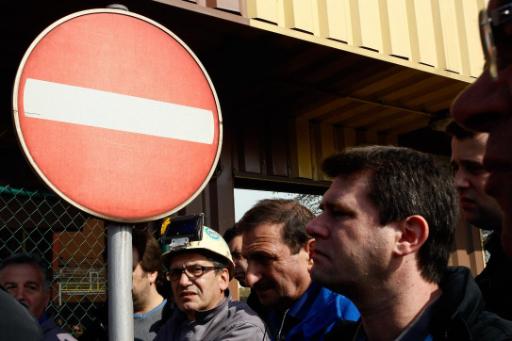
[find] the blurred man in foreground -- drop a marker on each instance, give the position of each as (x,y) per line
(486,105)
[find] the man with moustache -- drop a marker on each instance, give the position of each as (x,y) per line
(279,256)
(383,239)
(482,211)
(486,105)
(199,270)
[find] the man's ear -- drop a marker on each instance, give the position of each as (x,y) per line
(309,248)
(224,279)
(152,276)
(412,234)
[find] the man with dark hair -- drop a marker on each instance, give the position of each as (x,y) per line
(482,211)
(384,238)
(486,105)
(27,280)
(233,237)
(199,270)
(148,305)
(278,251)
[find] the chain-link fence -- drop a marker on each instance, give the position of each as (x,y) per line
(71,242)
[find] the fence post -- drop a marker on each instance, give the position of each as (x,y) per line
(120,305)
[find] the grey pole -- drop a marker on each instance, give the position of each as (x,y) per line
(120,305)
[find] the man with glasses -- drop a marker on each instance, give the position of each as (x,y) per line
(486,106)
(199,272)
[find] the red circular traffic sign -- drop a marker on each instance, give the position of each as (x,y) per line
(117,115)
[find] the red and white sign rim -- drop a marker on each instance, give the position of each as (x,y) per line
(37,168)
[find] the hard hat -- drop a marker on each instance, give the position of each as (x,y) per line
(210,241)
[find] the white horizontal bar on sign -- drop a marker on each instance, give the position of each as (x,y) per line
(78,105)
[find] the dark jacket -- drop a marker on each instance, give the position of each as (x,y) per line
(457,315)
(52,332)
(495,281)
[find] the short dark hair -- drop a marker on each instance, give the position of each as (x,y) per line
(290,213)
(231,233)
(405,182)
(460,133)
(35,261)
(148,249)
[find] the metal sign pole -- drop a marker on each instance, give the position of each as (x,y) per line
(120,305)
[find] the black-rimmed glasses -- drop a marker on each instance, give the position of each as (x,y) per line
(191,271)
(494,38)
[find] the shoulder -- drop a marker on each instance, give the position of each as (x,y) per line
(166,329)
(490,326)
(342,307)
(243,323)
(342,330)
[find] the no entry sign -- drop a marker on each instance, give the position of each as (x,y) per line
(117,115)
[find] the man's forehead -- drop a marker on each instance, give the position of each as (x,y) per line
(344,184)
(266,231)
(188,258)
(474,146)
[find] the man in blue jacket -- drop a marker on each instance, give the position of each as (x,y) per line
(279,255)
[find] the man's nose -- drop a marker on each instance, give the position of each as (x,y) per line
(184,281)
(253,274)
(473,105)
(315,228)
(460,179)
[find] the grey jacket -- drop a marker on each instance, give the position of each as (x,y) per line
(229,321)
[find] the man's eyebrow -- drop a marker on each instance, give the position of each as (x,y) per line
(9,283)
(32,283)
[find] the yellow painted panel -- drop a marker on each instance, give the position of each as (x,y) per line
(338,19)
(398,28)
(302,12)
(450,35)
(476,57)
(326,144)
(304,166)
(267,10)
(370,24)
(426,33)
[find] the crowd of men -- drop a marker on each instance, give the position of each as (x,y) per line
(373,265)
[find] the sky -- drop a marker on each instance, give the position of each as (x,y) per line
(246,198)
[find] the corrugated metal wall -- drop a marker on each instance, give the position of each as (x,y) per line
(437,36)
